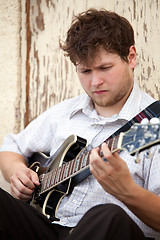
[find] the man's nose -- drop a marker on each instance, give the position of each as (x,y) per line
(96,79)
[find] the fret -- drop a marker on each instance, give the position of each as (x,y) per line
(87,159)
(43,184)
(46,185)
(49,179)
(60,175)
(80,163)
(66,170)
(109,143)
(116,142)
(41,177)
(56,176)
(54,172)
(72,167)
(46,179)
(112,145)
(62,172)
(77,163)
(84,160)
(52,182)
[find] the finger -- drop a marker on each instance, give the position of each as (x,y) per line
(97,164)
(112,158)
(15,193)
(94,158)
(35,178)
(19,185)
(21,192)
(29,179)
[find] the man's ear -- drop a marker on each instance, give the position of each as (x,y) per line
(132,57)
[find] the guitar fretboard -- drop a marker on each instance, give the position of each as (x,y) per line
(71,168)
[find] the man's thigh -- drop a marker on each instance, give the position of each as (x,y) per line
(106,222)
(19,220)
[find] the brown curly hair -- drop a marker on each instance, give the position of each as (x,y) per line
(94,29)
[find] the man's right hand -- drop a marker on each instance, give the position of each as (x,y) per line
(23,182)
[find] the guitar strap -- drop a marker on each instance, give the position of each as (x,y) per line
(151,111)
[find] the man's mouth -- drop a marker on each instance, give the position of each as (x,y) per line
(99,92)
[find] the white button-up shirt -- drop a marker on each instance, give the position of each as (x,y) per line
(78,116)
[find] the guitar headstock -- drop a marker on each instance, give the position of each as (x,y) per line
(141,136)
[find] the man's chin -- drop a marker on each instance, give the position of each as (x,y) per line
(103,103)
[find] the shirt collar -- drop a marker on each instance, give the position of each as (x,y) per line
(82,102)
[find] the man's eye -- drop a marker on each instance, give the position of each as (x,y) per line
(106,68)
(85,71)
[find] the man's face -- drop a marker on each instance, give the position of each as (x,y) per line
(109,80)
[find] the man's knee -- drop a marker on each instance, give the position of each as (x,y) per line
(113,221)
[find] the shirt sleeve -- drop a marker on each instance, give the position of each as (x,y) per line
(36,137)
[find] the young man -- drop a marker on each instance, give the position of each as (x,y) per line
(120,200)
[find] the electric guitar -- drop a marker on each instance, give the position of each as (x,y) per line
(57,172)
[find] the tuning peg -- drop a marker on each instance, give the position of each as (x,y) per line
(137,158)
(144,121)
(154,120)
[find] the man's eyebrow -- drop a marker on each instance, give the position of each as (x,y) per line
(103,64)
(81,68)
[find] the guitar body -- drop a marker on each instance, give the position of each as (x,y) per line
(48,202)
(59,173)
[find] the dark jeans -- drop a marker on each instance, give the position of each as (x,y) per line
(18,220)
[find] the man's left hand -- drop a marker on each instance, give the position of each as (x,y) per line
(113,174)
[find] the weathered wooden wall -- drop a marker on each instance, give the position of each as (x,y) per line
(52,78)
(34,73)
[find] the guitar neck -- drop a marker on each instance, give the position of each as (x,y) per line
(73,167)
